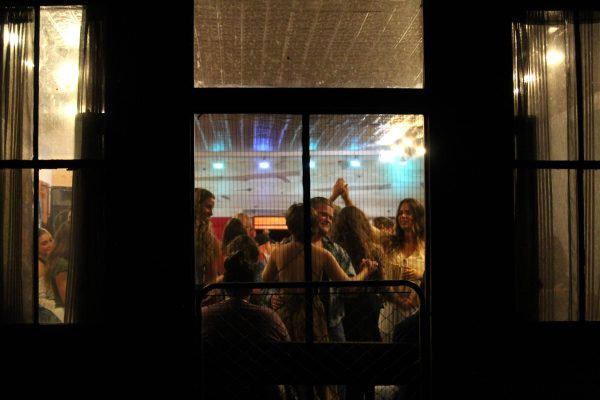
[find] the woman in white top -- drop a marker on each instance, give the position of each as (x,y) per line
(405,251)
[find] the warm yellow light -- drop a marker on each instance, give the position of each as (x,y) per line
(554,57)
(12,39)
(70,110)
(70,35)
(394,133)
(29,64)
(529,78)
(66,77)
(271,223)
(420,151)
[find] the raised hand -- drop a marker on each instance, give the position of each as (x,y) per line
(338,189)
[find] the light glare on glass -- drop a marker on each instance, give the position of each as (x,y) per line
(70,110)
(11,38)
(554,57)
(66,77)
(264,165)
(70,35)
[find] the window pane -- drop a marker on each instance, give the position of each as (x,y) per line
(545,87)
(546,245)
(369,165)
(54,243)
(16,92)
(16,245)
(279,43)
(59,71)
(379,156)
(590,46)
(252,163)
(592,244)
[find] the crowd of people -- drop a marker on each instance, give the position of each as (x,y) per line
(345,246)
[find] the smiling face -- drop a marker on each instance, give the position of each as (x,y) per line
(405,217)
(206,209)
(45,245)
(325,214)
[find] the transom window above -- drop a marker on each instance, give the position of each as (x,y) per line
(280,43)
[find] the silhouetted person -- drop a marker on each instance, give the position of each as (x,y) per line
(233,328)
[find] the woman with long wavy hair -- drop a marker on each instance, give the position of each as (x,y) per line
(207,247)
(49,313)
(405,255)
(354,233)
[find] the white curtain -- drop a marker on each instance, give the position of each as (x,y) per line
(16,185)
(86,297)
(546,198)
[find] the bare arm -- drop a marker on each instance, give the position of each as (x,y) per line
(340,188)
(270,272)
(336,273)
(61,285)
(346,195)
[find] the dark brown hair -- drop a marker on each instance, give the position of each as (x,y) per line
(418,213)
(294,219)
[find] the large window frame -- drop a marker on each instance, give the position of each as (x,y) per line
(579,166)
(92,162)
(313,101)
(308,102)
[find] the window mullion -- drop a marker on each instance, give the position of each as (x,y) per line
(36,169)
(307,226)
(580,156)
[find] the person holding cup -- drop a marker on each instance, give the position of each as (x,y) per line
(405,251)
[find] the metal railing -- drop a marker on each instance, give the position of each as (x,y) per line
(328,362)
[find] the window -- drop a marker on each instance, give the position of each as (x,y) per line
(51,163)
(253,162)
(311,103)
(557,158)
(279,43)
